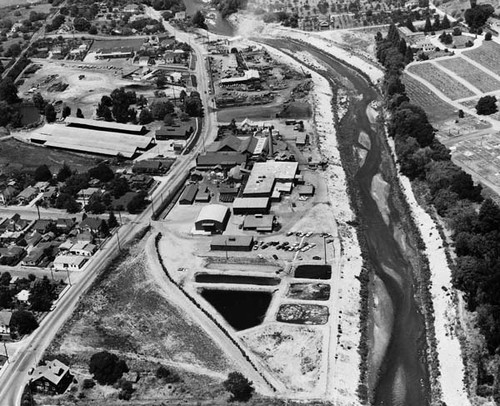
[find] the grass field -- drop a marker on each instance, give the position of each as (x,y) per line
(475,76)
(487,55)
(20,155)
(130,316)
(437,110)
(446,84)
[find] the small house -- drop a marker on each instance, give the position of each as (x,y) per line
(69,262)
(5,317)
(53,377)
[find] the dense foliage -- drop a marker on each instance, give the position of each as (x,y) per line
(228,7)
(475,225)
(107,368)
(241,388)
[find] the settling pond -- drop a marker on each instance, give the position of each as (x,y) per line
(313,272)
(241,309)
(246,280)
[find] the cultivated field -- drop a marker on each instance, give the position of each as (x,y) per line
(437,109)
(475,76)
(487,55)
(449,86)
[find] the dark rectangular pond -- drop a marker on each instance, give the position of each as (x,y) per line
(241,309)
(313,271)
(238,279)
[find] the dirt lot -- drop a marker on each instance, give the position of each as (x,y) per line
(18,155)
(309,291)
(86,86)
(303,314)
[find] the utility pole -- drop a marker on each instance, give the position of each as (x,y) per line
(6,353)
(324,247)
(118,239)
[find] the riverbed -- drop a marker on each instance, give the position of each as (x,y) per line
(398,373)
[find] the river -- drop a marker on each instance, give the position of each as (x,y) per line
(398,374)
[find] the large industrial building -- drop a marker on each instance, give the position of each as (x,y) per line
(101,125)
(213,218)
(251,205)
(271,178)
(91,141)
(232,243)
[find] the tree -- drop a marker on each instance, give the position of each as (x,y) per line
(81,24)
(160,109)
(64,173)
(93,30)
(104,228)
(198,20)
(42,173)
(41,295)
(428,25)
(167,375)
(107,368)
(66,111)
(38,101)
(71,205)
(486,105)
(79,113)
(168,120)
(445,24)
(137,203)
(23,322)
(145,117)
(161,81)
(102,172)
(8,91)
(476,17)
(112,221)
(241,388)
(50,113)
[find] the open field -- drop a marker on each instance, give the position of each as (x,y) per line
(118,42)
(18,155)
(449,86)
(487,55)
(437,109)
(471,74)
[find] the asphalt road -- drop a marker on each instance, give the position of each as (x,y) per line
(15,376)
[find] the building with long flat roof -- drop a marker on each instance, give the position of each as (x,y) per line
(231,243)
(265,175)
(251,205)
(91,141)
(259,222)
(102,125)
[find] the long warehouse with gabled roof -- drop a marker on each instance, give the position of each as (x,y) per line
(91,141)
(101,125)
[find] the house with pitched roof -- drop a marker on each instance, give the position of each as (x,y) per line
(53,377)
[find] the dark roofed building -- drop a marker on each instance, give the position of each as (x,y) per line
(228,193)
(225,160)
(251,205)
(53,377)
(102,125)
(148,166)
(306,190)
(91,224)
(189,194)
(259,222)
(231,243)
(174,132)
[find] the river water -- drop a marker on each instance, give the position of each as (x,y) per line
(401,376)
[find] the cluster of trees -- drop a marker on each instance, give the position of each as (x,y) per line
(8,97)
(477,15)
(117,106)
(437,24)
(475,222)
(198,20)
(486,105)
(228,7)
(107,368)
(172,5)
(241,388)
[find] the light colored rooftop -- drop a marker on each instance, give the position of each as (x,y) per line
(109,125)
(215,212)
